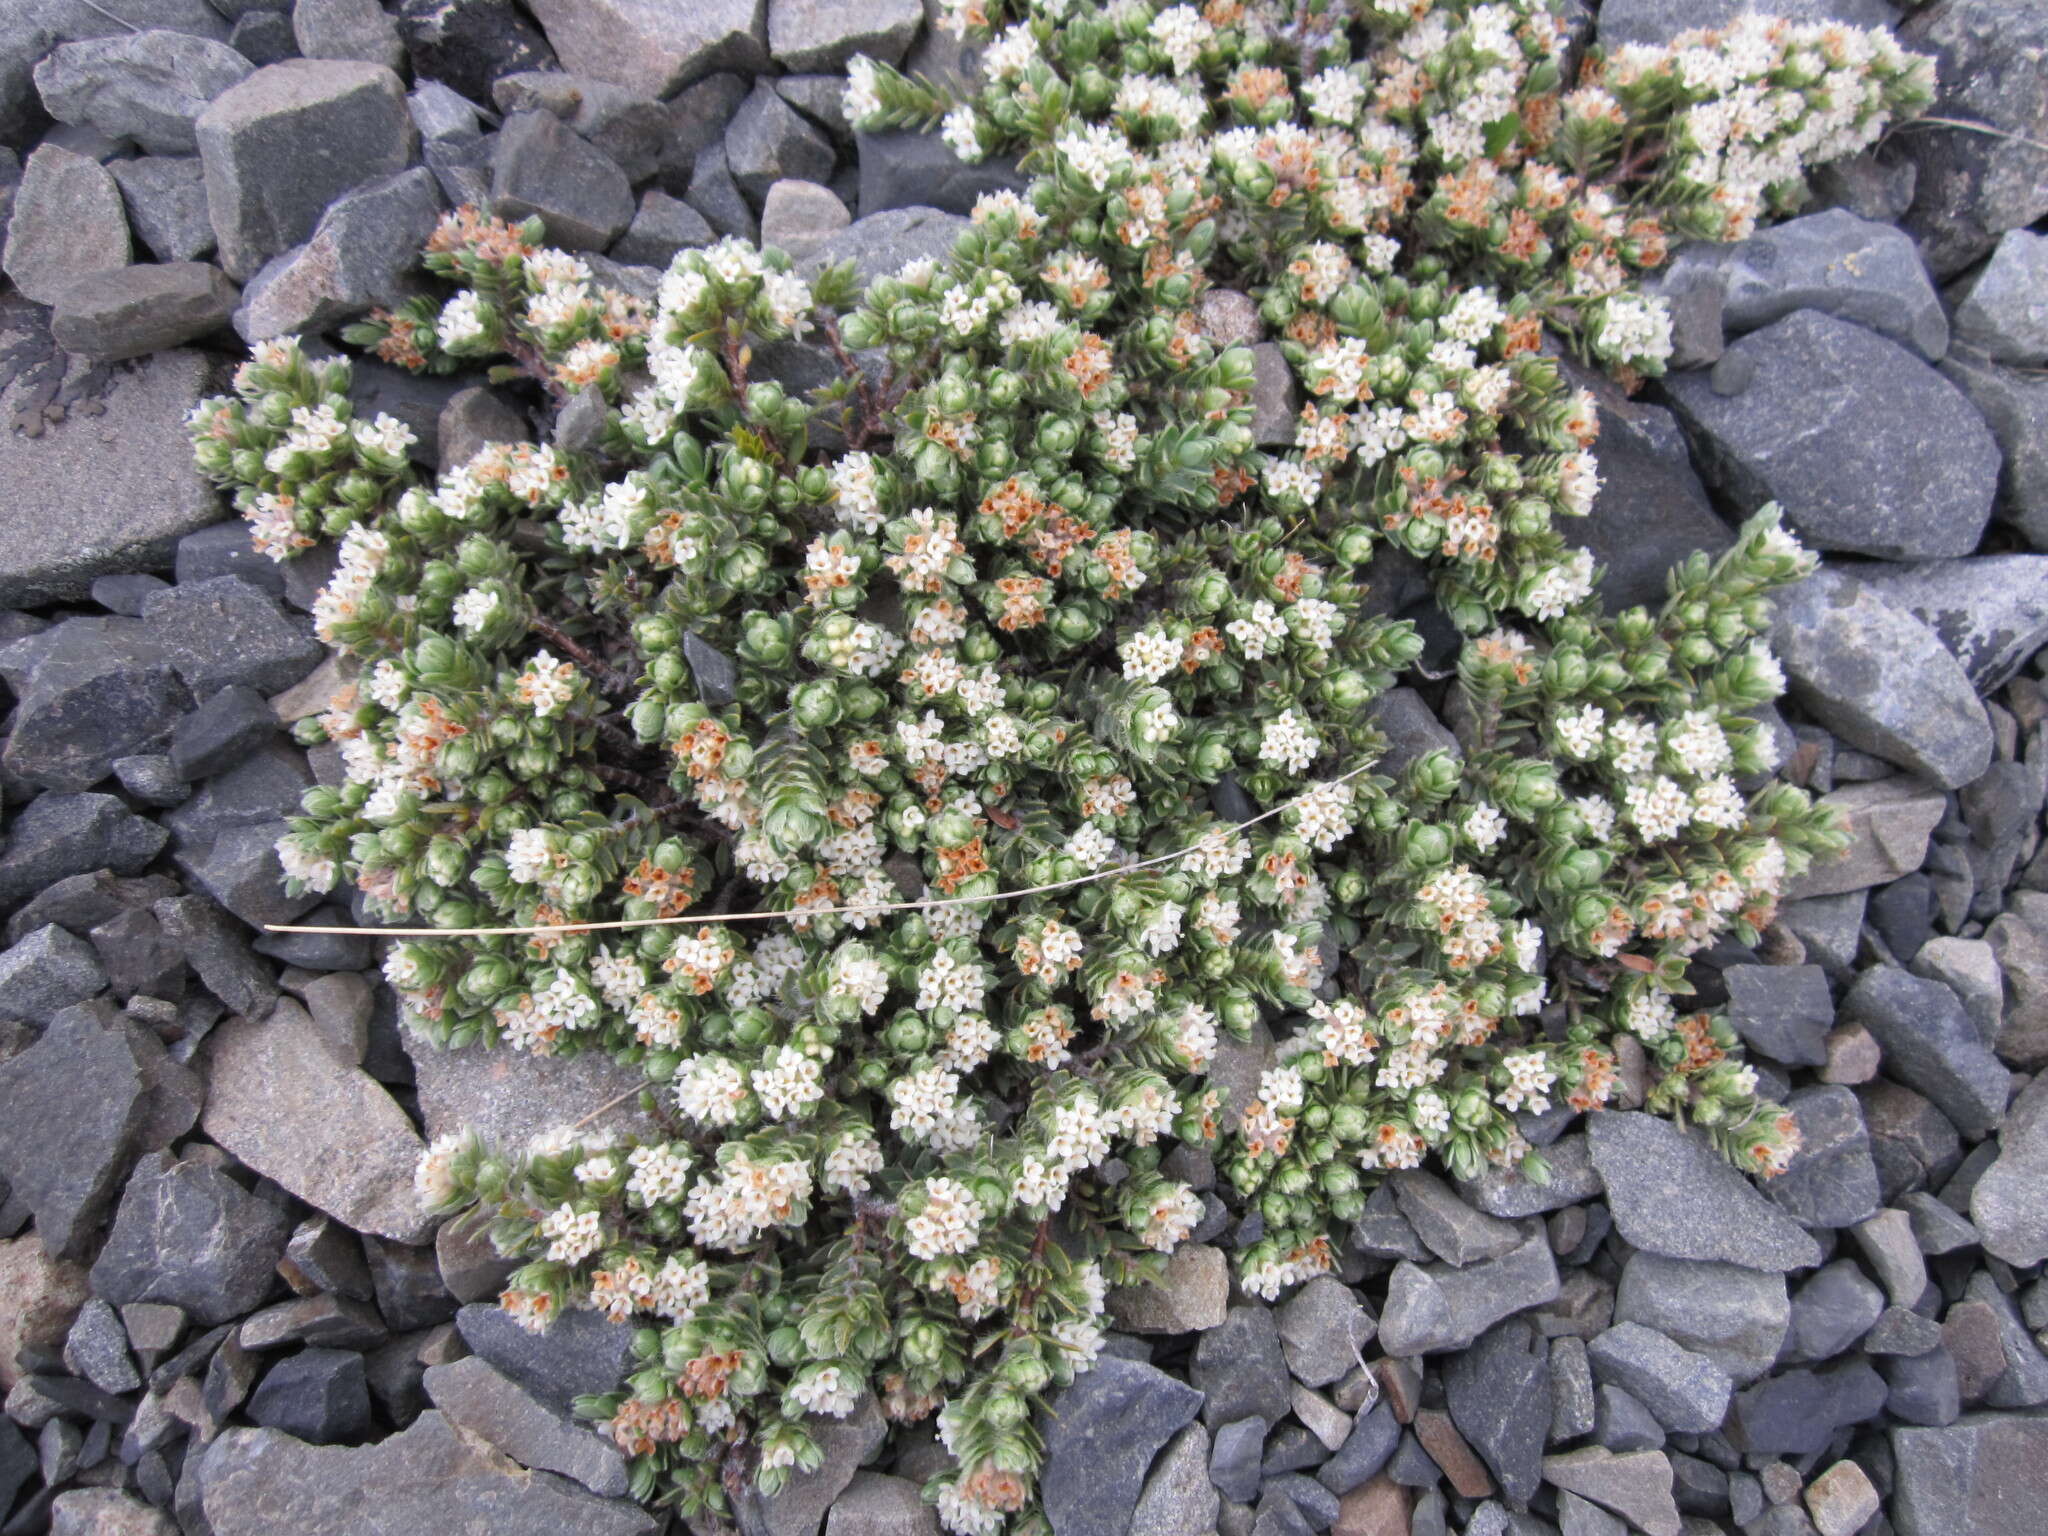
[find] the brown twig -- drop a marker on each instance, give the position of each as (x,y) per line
(608,678)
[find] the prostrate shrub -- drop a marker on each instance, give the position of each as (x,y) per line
(1034,700)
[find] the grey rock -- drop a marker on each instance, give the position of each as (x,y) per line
(146,86)
(697,119)
(1651,511)
(97,1349)
(1797,1412)
(1738,1318)
(905,169)
(67,223)
(1500,1400)
(150,778)
(259,1482)
(1972,187)
(221,732)
(1854,269)
(347,29)
(1686,1391)
(317,1395)
(1913,1144)
(580,1354)
(1102,1432)
(124,594)
(128,311)
(1193,1294)
(1820,392)
(224,549)
(512,1097)
(543,167)
(1448,1227)
(1636,1486)
(880,244)
(1274,402)
(1983,1476)
(1894,1253)
(165,196)
(878,1505)
(2003,311)
(652,47)
(821,98)
(1889,822)
(443,115)
(362,253)
(1671,1194)
(1242,1368)
(282,1103)
(1930,1044)
(470,1267)
(1621,1423)
(331,1322)
(264,37)
(1937,1228)
(1571,1390)
(824,34)
(1785,1011)
(1881,680)
(626,128)
(1580,1517)
(239,868)
(467,44)
(1234,1457)
(91,690)
(1990,611)
(1922,1389)
(323,1256)
(800,216)
(78,1102)
(472,420)
(106,1512)
(290,139)
(1324,1329)
(482,1401)
(46,973)
(662,226)
(219,952)
(1439,1308)
(769,141)
(2024,1381)
(61,835)
(1900,1332)
(2006,1205)
(1370,1445)
(1658,21)
(1178,1498)
(224,631)
(1832,1181)
(1511,1194)
(188,1235)
(2014,404)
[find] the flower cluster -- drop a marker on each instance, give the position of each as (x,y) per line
(929,781)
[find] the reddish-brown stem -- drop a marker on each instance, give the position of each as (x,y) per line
(608,678)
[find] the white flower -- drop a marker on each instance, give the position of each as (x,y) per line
(949,1223)
(1097,152)
(1183,34)
(791,1085)
(861,100)
(573,1235)
(1334,96)
(1288,742)
(961,130)
(1485,826)
(473,609)
(1149,654)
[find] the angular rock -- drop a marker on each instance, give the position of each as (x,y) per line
(1178,1498)
(316,1395)
(46,973)
(1636,1486)
(40,1296)
(1738,1318)
(1991,62)
(1671,1194)
(1511,1194)
(906,169)
(78,1102)
(1500,1399)
(128,311)
(1623,1424)
(824,34)
(1930,1044)
(284,143)
(2023,1383)
(469,43)
(220,732)
(629,130)
(1101,1434)
(877,1505)
(60,835)
(880,243)
(1889,822)
(1797,1412)
(187,1234)
(1833,262)
(283,1104)
(1242,1369)
(2014,404)
(260,1482)
(1324,1329)
(1971,968)
(2003,312)
(362,253)
(651,47)
(769,141)
(1785,1011)
(97,1349)
(1831,1181)
(1651,510)
(1192,1295)
(512,1097)
(1880,679)
(1658,21)
(331,1322)
(224,631)
(481,1401)
(147,86)
(543,167)
(165,196)
(219,951)
(1439,1308)
(67,223)
(2006,1205)
(1374,1435)
(1686,1391)
(92,690)
(1809,393)
(1991,611)
(1448,1227)
(347,29)
(106,1512)
(662,226)
(580,1354)
(799,216)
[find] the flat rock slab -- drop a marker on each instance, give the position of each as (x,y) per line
(115,475)
(259,1482)
(1984,1476)
(1672,1194)
(651,47)
(511,1097)
(285,1104)
(1991,611)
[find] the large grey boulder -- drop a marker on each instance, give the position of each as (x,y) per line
(481,1401)
(652,47)
(1790,408)
(1991,66)
(67,223)
(1991,611)
(287,141)
(824,34)
(2004,310)
(362,253)
(166,200)
(146,86)
(879,244)
(512,1097)
(903,168)
(1986,1475)
(91,690)
(189,1235)
(543,167)
(1101,1434)
(1672,1194)
(130,311)
(1881,680)
(428,1477)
